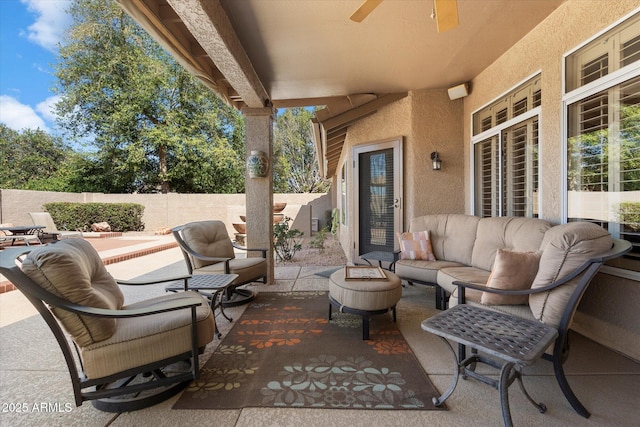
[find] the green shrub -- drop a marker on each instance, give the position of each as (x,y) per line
(629,214)
(285,243)
(319,241)
(80,216)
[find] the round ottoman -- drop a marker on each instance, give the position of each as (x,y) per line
(364,297)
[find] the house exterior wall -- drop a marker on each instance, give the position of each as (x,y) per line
(428,121)
(608,313)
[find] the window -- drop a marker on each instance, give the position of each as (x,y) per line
(603,135)
(506,153)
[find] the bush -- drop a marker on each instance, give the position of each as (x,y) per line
(630,215)
(285,243)
(319,241)
(80,216)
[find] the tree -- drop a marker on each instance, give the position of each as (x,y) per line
(295,167)
(154,127)
(34,160)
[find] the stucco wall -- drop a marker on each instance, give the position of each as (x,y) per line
(168,210)
(426,121)
(574,22)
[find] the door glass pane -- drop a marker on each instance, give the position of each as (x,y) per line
(376,201)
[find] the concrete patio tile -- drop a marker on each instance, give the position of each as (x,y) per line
(291,273)
(314,283)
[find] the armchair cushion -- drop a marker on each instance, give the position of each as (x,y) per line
(208,238)
(247,269)
(72,269)
(565,248)
(513,271)
(142,340)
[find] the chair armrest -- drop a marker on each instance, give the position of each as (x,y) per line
(593,262)
(172,305)
(396,255)
(264,251)
(151,282)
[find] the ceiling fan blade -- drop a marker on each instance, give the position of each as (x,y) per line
(364,10)
(446,14)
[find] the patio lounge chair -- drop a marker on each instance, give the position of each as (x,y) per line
(126,357)
(207,249)
(44,218)
(28,239)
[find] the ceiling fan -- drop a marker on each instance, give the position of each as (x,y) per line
(445,12)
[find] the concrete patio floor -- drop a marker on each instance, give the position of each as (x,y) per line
(33,374)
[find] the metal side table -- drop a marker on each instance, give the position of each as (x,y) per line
(509,342)
(213,286)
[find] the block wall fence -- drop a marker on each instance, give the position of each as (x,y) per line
(172,209)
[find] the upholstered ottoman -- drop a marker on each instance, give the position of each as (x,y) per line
(364,297)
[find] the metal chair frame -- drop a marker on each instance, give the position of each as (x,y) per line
(122,391)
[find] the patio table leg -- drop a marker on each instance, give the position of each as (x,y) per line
(437,401)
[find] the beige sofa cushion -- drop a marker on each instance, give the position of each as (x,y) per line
(513,233)
(511,271)
(415,245)
(565,248)
(208,238)
(73,270)
(422,271)
(448,275)
(452,235)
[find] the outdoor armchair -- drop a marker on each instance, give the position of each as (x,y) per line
(207,249)
(120,357)
(571,256)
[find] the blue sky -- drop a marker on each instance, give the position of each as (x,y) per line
(30,31)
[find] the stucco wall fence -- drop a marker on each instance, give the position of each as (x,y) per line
(172,209)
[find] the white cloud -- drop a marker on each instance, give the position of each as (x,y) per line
(19,116)
(46,108)
(51,22)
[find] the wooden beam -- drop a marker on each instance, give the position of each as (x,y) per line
(364,110)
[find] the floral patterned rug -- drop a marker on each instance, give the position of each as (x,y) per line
(283,352)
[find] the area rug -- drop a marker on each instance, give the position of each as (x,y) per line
(283,352)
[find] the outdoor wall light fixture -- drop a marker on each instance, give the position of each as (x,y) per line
(435,161)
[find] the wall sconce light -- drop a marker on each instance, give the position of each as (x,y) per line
(435,161)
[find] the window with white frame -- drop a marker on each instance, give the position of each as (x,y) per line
(602,102)
(505,142)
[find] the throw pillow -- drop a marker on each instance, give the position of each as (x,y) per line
(416,245)
(513,271)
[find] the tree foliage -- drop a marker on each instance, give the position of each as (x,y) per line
(34,160)
(295,165)
(153,126)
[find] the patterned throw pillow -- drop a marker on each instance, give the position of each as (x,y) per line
(511,271)
(415,245)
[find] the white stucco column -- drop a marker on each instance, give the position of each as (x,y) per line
(259,191)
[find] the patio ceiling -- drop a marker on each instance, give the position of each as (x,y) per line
(293,53)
